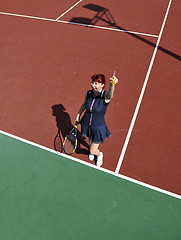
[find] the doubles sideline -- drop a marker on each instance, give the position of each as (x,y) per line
(121,158)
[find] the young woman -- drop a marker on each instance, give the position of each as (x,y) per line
(93,123)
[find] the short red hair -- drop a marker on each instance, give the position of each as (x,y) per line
(99,78)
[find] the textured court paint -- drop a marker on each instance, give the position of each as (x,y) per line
(40,8)
(45,196)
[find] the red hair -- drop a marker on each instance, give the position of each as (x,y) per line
(99,78)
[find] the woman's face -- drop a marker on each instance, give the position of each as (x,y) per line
(96,86)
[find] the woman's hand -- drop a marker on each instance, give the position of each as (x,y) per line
(113,79)
(82,109)
(77,119)
(110,92)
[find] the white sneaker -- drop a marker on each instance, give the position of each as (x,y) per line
(100,160)
(91,157)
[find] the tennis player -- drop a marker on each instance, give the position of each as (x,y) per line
(93,123)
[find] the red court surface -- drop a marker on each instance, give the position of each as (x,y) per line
(129,15)
(38,8)
(46,64)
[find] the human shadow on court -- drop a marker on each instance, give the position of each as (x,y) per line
(64,126)
(103,14)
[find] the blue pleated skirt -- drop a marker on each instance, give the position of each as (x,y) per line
(95,134)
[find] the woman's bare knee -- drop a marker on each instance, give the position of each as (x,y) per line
(94,149)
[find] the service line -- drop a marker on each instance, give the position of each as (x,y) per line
(79,24)
(142,93)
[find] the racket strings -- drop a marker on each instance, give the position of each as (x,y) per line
(70,143)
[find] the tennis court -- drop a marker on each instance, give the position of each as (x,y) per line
(49,50)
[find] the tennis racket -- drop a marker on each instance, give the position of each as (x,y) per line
(70,141)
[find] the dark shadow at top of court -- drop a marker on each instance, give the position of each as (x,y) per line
(104,15)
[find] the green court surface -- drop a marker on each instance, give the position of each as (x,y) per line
(44,196)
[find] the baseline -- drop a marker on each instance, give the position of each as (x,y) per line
(93,166)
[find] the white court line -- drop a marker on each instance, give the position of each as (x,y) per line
(141,94)
(114,29)
(79,24)
(69,10)
(93,166)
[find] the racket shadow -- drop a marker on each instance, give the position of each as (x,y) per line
(58,143)
(64,125)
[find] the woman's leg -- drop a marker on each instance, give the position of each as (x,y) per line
(94,149)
